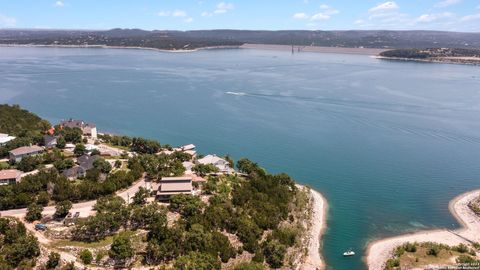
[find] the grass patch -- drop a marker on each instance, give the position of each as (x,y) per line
(65,243)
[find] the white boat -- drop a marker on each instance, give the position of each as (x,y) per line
(348,253)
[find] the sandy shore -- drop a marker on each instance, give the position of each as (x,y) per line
(314,260)
(380,251)
(339,50)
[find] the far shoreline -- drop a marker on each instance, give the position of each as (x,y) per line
(270,47)
(380,250)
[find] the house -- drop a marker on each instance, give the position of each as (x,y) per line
(174,185)
(222,165)
(9,177)
(17,154)
(49,141)
(85,163)
(4,138)
(88,129)
(74,172)
(188,147)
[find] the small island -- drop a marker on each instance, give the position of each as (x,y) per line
(75,198)
(440,55)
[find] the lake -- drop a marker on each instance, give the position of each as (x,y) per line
(388,143)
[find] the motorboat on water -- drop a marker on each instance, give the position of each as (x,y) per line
(348,253)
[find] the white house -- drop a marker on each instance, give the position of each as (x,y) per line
(222,165)
(4,138)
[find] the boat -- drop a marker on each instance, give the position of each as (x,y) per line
(348,253)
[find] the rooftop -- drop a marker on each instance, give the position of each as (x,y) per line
(9,174)
(178,178)
(26,150)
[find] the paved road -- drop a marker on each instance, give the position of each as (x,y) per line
(85,208)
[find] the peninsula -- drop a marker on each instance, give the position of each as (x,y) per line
(81,198)
(440,55)
(433,248)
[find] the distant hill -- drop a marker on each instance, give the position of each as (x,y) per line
(205,38)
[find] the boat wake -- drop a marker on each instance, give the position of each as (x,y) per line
(236,93)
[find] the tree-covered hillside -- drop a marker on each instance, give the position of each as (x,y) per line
(19,122)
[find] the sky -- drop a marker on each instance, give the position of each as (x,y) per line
(451,15)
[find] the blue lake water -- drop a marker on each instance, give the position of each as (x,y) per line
(388,143)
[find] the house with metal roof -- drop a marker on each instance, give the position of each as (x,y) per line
(170,186)
(9,177)
(17,154)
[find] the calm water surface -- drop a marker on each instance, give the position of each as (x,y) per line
(388,143)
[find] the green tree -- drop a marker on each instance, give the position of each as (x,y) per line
(121,248)
(102,165)
(274,253)
(86,256)
(204,169)
(61,143)
(62,208)
(62,165)
(197,261)
(28,164)
(53,260)
(73,135)
(118,164)
(34,212)
(249,266)
(244,165)
(141,196)
(43,198)
(148,215)
(186,204)
(80,149)
(25,247)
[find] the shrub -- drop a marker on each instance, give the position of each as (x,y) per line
(249,266)
(34,212)
(86,256)
(462,248)
(53,260)
(274,253)
(392,264)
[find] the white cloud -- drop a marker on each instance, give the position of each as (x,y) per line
(59,4)
(188,20)
(472,17)
(426,18)
(6,21)
(179,13)
(175,13)
(164,13)
(301,16)
(384,7)
(320,17)
(359,22)
(447,3)
(223,8)
(325,13)
(206,14)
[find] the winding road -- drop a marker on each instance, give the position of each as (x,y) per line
(84,208)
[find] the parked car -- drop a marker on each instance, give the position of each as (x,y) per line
(40,227)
